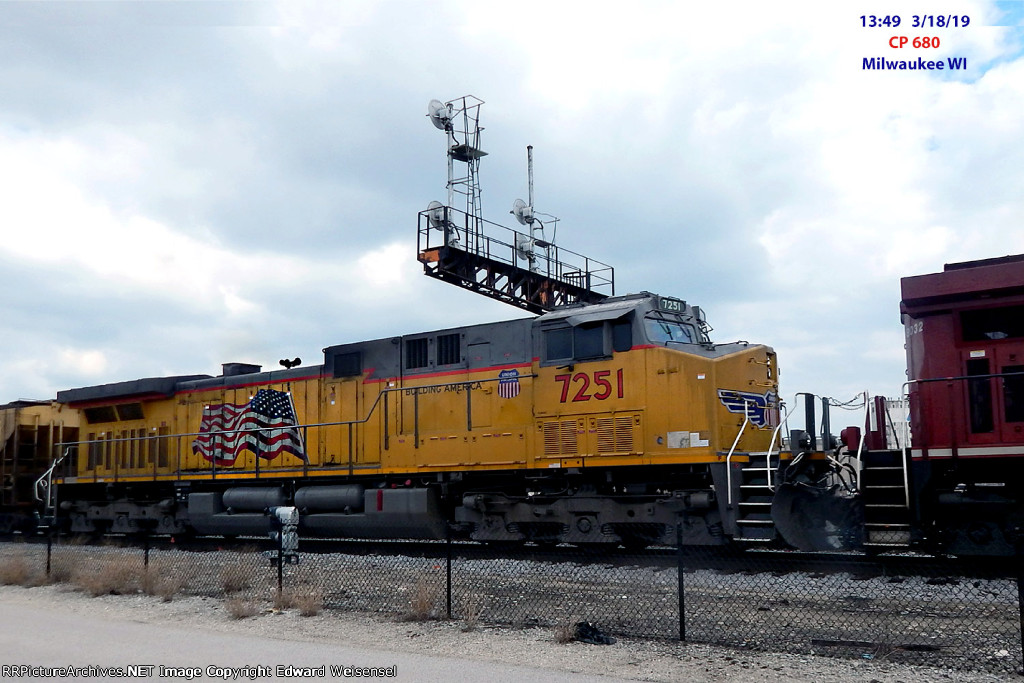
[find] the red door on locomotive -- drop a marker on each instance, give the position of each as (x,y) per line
(992,358)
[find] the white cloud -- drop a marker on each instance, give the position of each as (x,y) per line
(242,190)
(85,363)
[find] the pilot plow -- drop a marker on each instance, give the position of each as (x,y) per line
(816,506)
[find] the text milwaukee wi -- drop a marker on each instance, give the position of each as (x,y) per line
(883,64)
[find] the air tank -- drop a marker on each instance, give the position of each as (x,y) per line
(253,498)
(330,498)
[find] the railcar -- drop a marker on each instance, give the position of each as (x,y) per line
(965,370)
(594,423)
(29,431)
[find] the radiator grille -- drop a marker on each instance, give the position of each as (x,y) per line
(560,437)
(615,434)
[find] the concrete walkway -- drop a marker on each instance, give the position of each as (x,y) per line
(48,636)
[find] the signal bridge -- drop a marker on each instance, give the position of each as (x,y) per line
(521,268)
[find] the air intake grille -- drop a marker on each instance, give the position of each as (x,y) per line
(615,434)
(560,437)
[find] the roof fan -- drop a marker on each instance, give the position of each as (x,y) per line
(522,211)
(439,115)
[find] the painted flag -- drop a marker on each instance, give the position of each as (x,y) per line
(223,436)
(508,383)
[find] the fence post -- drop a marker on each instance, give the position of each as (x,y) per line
(280,561)
(49,551)
(448,552)
(145,550)
(1019,562)
(681,587)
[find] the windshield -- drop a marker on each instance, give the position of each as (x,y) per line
(661,330)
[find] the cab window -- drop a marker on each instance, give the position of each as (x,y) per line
(661,330)
(568,344)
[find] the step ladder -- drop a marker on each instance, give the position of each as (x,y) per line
(883,489)
(754,523)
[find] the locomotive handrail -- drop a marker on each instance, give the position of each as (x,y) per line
(905,455)
(44,483)
(860,444)
(728,458)
(768,459)
(992,375)
(304,426)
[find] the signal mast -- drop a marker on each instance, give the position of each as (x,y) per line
(460,247)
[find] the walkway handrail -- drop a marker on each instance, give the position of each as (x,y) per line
(784,420)
(728,458)
(342,423)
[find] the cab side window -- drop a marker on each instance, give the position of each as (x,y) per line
(587,341)
(558,344)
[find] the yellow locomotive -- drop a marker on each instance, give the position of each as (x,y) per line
(606,419)
(594,423)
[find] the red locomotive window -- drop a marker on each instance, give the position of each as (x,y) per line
(990,324)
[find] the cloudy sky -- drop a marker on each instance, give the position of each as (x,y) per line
(193,182)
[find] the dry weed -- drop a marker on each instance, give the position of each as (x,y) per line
(283,600)
(60,573)
(161,581)
(424,598)
(169,587)
(309,602)
(116,577)
(240,609)
(472,609)
(15,571)
(234,579)
(565,633)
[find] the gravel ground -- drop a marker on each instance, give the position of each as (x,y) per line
(632,659)
(771,621)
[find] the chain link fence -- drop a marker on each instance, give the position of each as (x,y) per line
(904,608)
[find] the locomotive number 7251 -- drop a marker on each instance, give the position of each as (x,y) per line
(600,380)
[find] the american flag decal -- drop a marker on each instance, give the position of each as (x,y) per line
(508,383)
(226,430)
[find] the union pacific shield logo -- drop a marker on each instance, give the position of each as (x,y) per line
(508,383)
(755,406)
